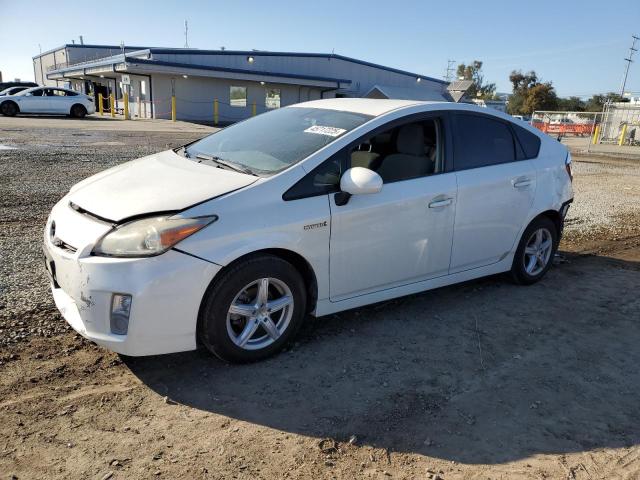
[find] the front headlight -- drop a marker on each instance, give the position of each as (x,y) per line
(149,236)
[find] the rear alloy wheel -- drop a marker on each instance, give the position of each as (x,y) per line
(78,111)
(253,309)
(535,251)
(9,109)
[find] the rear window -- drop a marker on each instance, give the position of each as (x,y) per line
(482,141)
(529,142)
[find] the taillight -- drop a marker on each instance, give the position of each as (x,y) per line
(567,165)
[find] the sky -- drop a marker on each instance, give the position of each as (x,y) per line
(579,46)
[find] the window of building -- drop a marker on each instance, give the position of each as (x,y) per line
(272,98)
(481,141)
(238,96)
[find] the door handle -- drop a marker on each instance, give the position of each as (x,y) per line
(522,183)
(441,203)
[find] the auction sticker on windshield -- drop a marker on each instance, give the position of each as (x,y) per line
(328,131)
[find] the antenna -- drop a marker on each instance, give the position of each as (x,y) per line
(186,34)
(449,73)
(632,50)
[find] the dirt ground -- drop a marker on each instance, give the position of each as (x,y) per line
(484,380)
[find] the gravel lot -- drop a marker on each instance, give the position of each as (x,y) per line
(481,380)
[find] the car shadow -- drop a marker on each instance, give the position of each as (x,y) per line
(483,372)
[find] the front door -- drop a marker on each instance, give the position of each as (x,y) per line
(398,236)
(403,233)
(35,102)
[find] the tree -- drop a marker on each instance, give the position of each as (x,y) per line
(571,104)
(478,88)
(529,94)
(596,102)
(540,97)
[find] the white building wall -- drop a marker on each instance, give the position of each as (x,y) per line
(195,97)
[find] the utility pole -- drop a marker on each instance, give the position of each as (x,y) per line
(632,50)
(449,73)
(186,34)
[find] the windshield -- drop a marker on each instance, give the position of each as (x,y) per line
(273,141)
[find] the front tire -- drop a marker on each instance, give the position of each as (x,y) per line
(9,109)
(78,111)
(535,252)
(253,309)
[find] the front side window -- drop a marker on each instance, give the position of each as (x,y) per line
(272,98)
(322,180)
(238,96)
(404,152)
(271,142)
(482,141)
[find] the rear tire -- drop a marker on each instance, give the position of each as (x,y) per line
(535,252)
(9,109)
(239,325)
(78,111)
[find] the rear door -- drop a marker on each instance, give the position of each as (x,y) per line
(496,188)
(60,101)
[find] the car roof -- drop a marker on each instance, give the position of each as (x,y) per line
(367,106)
(377,107)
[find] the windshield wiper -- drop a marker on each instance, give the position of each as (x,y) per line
(225,163)
(182,151)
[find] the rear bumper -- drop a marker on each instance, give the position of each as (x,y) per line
(564,209)
(166,293)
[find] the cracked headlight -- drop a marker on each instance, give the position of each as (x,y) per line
(149,236)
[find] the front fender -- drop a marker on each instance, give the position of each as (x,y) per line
(300,226)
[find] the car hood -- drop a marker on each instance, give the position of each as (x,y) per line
(162,182)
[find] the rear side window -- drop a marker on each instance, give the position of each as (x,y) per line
(529,142)
(482,141)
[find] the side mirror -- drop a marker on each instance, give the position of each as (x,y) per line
(360,181)
(357,181)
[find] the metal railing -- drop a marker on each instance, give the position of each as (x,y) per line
(60,65)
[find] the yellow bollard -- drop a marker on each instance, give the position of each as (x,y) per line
(215,111)
(623,135)
(100,104)
(126,106)
(112,105)
(253,109)
(173,108)
(596,134)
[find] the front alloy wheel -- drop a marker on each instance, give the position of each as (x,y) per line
(260,313)
(252,309)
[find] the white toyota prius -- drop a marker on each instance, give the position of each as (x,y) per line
(323,206)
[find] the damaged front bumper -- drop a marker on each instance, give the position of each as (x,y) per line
(166,290)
